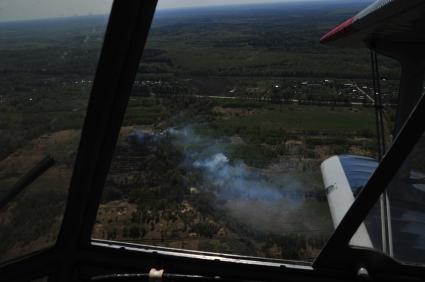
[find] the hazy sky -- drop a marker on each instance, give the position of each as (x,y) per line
(193,3)
(34,9)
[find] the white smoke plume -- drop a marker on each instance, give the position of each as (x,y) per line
(244,192)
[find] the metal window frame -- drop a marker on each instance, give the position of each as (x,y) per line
(76,255)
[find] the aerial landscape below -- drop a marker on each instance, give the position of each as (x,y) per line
(232,112)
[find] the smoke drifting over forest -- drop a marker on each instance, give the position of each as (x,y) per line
(241,191)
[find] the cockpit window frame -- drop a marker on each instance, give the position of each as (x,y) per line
(76,253)
(124,41)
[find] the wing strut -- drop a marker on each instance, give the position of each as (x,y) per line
(386,229)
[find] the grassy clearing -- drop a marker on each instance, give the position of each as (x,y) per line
(304,118)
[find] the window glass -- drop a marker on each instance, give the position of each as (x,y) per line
(233,110)
(48,57)
(346,175)
(395,225)
(399,226)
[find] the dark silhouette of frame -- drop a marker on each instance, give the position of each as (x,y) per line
(77,257)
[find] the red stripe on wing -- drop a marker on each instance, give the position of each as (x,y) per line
(338,31)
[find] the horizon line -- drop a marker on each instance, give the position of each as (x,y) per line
(186,8)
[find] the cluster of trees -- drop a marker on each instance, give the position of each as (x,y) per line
(35,214)
(26,116)
(299,246)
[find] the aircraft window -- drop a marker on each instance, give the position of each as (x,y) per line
(345,175)
(48,57)
(401,223)
(232,112)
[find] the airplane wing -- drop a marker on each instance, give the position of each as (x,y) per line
(345,175)
(390,20)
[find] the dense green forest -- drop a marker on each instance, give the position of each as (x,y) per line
(258,40)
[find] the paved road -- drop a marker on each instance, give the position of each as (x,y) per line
(292,101)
